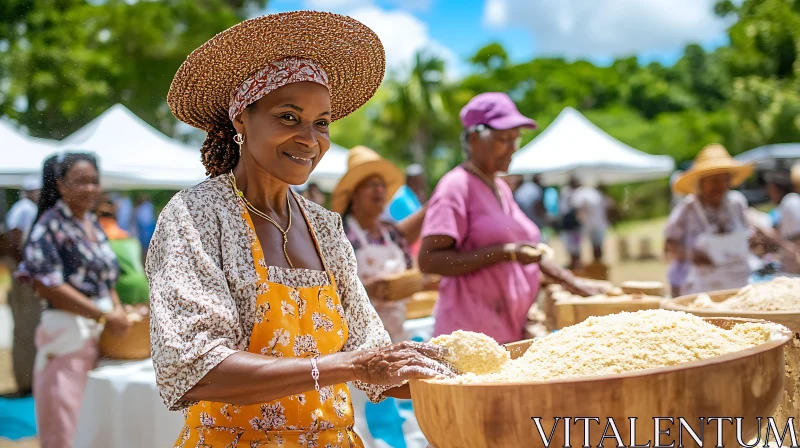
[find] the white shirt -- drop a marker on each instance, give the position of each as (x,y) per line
(738,196)
(789,226)
(592,206)
(21,216)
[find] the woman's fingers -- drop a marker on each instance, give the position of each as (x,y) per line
(435,365)
(422,367)
(430,350)
(413,372)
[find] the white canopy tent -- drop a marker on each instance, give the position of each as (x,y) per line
(21,155)
(133,154)
(770,157)
(573,146)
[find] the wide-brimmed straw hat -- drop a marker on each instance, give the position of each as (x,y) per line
(363,163)
(349,52)
(712,159)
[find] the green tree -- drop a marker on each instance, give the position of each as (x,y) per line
(765,40)
(767,111)
(416,113)
(66,61)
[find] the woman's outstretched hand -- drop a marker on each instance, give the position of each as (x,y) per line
(396,363)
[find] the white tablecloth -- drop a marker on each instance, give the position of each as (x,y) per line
(122,409)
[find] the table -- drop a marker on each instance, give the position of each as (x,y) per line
(122,409)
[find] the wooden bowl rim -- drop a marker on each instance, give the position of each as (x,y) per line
(785,334)
(679,304)
(610,300)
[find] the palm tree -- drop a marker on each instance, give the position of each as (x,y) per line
(416,114)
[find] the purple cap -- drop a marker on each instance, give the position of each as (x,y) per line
(496,110)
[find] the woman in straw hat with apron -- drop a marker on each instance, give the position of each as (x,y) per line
(258,318)
(381,250)
(709,227)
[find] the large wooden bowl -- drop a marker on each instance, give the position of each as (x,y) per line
(745,384)
(790,405)
(790,319)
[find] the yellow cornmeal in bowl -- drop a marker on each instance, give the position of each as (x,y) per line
(618,343)
(780,294)
(472,352)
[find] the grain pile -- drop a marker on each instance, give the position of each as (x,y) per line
(473,353)
(781,294)
(620,343)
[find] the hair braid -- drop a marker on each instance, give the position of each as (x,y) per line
(219,152)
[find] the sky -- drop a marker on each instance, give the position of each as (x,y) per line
(597,30)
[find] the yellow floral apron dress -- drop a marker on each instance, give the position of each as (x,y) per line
(290,322)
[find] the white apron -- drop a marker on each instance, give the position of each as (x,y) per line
(728,251)
(376,261)
(68,331)
(379,260)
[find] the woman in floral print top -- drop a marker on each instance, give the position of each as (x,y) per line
(258,319)
(71,265)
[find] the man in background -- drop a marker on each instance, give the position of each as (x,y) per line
(530,198)
(570,225)
(124,207)
(145,217)
(25,308)
(592,208)
(416,181)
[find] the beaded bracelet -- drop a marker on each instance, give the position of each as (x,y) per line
(315,372)
(511,248)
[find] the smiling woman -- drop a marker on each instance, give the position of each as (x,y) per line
(258,318)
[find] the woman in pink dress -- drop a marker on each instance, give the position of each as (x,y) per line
(473,232)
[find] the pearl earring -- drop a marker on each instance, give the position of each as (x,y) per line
(239,139)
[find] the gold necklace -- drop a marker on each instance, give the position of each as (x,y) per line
(264,216)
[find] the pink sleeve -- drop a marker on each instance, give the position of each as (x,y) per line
(447,212)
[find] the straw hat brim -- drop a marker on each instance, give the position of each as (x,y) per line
(350,53)
(343,192)
(687,182)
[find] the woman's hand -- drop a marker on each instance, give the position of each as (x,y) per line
(700,258)
(673,250)
(524,252)
(568,280)
(579,288)
(117,321)
(402,361)
(527,253)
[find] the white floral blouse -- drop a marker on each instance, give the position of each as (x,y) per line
(203,287)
